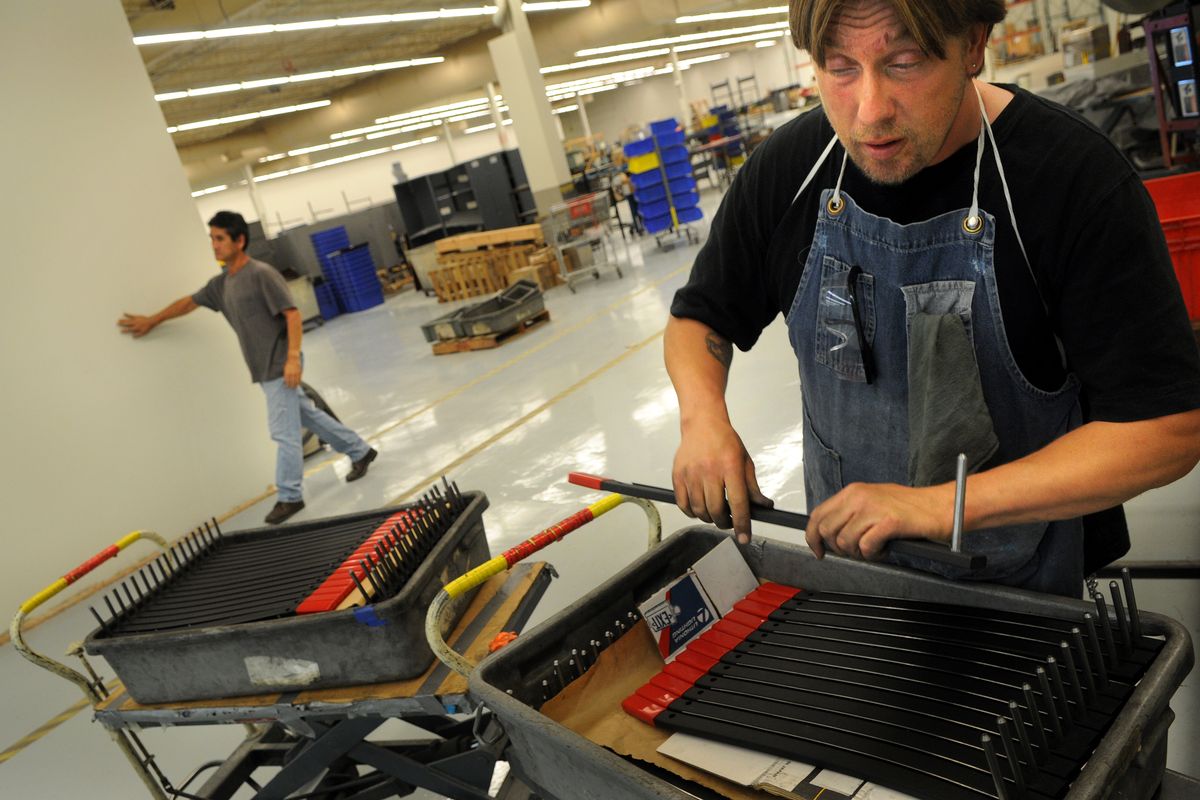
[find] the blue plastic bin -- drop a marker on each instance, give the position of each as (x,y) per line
(646,179)
(638,148)
(655,209)
(685,199)
(680,169)
(674,154)
(663,126)
(650,193)
(656,224)
(669,139)
(326,300)
(683,185)
(693,214)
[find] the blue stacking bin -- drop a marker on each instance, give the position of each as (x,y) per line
(352,272)
(685,215)
(674,154)
(655,209)
(685,199)
(682,185)
(326,299)
(679,169)
(645,180)
(663,127)
(671,139)
(657,224)
(651,193)
(638,148)
(329,241)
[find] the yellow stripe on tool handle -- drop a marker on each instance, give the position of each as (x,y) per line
(531,545)
(77,573)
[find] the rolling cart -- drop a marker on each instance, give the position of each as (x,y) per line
(312,741)
(581,224)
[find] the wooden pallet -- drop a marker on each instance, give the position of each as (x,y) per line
(485,239)
(490,340)
(473,273)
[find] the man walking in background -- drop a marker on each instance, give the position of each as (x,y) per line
(258,306)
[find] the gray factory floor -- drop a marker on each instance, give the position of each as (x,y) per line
(585,392)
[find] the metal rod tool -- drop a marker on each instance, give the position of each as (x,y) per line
(788,519)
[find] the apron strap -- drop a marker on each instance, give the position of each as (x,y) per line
(812,173)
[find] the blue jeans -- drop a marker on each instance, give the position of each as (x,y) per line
(290,410)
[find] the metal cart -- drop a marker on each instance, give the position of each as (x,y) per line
(1127,762)
(315,741)
(582,225)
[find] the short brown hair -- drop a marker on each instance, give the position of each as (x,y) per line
(930,22)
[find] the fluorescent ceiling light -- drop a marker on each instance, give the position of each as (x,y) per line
(372,19)
(608,87)
(684,63)
(768,43)
(270,112)
(731,40)
(750,12)
(307,76)
(489,126)
(210,190)
(595,62)
(565,109)
(688,37)
(343,159)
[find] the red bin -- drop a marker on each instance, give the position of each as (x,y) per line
(1178,201)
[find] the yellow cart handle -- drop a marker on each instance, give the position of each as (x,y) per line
(510,557)
(57,667)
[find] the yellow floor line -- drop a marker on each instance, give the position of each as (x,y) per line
(44,729)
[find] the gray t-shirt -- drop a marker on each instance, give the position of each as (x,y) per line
(253,300)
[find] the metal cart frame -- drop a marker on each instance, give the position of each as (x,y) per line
(582,221)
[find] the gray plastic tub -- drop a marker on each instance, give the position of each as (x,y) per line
(499,314)
(558,763)
(384,642)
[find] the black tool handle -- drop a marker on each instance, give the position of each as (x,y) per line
(918,548)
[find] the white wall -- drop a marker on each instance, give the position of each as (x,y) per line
(105,434)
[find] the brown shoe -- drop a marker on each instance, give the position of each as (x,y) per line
(282,511)
(359,468)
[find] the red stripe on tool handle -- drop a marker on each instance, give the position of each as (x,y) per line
(93,562)
(707,649)
(755,607)
(776,590)
(338,585)
(752,621)
(637,706)
(670,683)
(683,672)
(721,639)
(733,628)
(548,536)
(656,695)
(585,479)
(696,660)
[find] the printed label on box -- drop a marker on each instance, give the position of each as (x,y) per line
(677,614)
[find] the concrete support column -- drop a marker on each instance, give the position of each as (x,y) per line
(515,59)
(685,111)
(494,107)
(449,142)
(583,118)
(255,198)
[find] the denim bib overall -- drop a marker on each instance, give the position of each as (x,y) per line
(876,299)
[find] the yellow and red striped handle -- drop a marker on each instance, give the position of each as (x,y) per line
(531,545)
(77,573)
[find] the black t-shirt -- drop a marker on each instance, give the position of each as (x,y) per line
(1087,223)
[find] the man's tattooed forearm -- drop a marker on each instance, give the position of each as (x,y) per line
(720,348)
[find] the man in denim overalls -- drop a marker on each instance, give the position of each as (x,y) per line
(910,347)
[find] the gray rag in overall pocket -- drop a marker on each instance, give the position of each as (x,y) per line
(946,411)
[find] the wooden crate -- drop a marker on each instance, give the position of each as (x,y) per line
(471,273)
(485,239)
(544,274)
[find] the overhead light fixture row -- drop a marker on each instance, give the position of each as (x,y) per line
(682,39)
(749,12)
(342,22)
(487,127)
(343,159)
(270,112)
(261,83)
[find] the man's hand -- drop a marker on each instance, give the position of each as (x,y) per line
(136,325)
(712,465)
(292,371)
(858,521)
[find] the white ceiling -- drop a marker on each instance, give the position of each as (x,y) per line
(358,99)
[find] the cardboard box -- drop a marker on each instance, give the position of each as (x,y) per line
(692,603)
